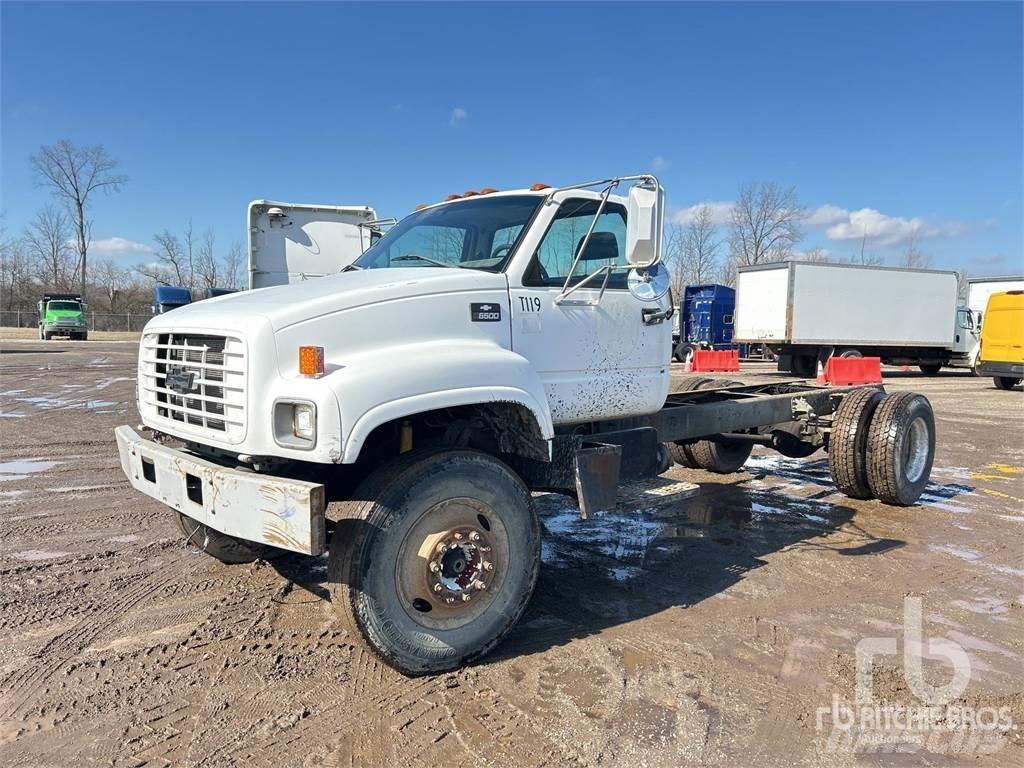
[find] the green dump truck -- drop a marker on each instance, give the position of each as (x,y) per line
(62,314)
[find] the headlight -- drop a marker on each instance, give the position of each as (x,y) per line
(303,421)
(295,424)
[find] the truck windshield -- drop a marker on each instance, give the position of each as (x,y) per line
(68,305)
(479,233)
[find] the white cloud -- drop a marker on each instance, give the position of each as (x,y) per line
(458,115)
(659,163)
(843,224)
(117,246)
(721,211)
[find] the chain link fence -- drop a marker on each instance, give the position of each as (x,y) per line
(96,321)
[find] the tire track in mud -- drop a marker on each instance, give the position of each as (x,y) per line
(21,686)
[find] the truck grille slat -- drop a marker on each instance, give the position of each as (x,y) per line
(195,381)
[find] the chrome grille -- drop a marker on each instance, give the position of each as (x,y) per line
(195,381)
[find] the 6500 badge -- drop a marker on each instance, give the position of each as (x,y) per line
(485,313)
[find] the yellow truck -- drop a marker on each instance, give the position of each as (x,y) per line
(1002,339)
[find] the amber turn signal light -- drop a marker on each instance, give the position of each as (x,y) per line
(311,361)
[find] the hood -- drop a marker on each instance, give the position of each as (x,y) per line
(285,305)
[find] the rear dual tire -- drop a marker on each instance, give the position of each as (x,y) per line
(883,446)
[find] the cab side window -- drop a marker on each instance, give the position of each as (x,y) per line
(557,250)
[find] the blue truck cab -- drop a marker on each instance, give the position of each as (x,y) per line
(705,319)
(168,297)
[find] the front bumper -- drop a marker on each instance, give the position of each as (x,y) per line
(278,511)
(1009,370)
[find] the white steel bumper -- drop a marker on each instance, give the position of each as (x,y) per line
(283,513)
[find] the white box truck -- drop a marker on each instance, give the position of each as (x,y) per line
(398,414)
(980,288)
(805,313)
(293,242)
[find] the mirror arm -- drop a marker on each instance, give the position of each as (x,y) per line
(583,246)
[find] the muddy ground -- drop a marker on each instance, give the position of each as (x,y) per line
(707,630)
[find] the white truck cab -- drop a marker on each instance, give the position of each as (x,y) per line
(404,408)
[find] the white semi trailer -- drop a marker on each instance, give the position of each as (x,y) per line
(397,415)
(293,242)
(808,312)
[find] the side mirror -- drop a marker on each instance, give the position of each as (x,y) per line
(644,211)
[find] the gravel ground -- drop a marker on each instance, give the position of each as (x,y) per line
(707,630)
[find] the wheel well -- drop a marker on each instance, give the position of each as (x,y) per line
(500,428)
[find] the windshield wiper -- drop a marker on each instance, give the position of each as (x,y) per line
(417,257)
(351,266)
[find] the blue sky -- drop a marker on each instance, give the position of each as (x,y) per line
(896,117)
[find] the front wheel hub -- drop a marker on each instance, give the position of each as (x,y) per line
(461,566)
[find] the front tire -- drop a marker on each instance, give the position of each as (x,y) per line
(901,448)
(434,559)
(1005,382)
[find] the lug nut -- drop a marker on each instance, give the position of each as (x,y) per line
(442,547)
(479,585)
(466,598)
(487,565)
(450,600)
(434,567)
(437,587)
(485,549)
(457,536)
(474,536)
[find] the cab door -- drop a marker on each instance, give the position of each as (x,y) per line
(594,353)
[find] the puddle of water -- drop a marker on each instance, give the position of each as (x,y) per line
(39,554)
(26,466)
(47,403)
(104,383)
(962,552)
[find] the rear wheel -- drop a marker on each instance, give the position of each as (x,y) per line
(1006,382)
(930,369)
(720,454)
(901,448)
(684,352)
(847,447)
(225,548)
(435,558)
(850,353)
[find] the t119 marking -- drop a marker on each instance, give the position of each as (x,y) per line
(529,303)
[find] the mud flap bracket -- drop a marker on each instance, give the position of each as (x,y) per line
(597,477)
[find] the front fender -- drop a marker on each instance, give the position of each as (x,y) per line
(382,385)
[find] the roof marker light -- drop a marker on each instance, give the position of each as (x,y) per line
(539,186)
(487,190)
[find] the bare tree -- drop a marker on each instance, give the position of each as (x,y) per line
(46,243)
(16,285)
(816,256)
(674,259)
(700,247)
(114,282)
(235,267)
(172,266)
(206,266)
(914,257)
(765,224)
(73,173)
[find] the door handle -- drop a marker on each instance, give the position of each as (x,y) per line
(656,316)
